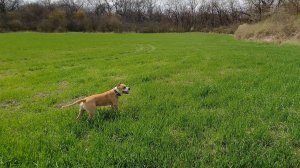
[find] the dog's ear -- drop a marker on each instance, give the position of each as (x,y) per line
(119,84)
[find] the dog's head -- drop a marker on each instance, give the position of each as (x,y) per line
(123,88)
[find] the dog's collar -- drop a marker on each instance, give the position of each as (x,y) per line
(117,91)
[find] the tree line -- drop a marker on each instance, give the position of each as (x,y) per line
(136,15)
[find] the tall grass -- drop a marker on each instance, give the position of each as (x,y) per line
(281,27)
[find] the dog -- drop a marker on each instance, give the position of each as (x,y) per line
(108,98)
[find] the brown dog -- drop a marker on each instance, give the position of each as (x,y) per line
(107,98)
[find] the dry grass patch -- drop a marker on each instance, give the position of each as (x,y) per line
(278,28)
(9,104)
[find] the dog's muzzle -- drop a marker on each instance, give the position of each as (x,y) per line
(126,90)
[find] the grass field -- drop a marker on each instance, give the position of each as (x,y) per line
(201,100)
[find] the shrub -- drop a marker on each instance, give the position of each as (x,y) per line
(15,25)
(45,26)
(57,20)
(79,21)
(111,22)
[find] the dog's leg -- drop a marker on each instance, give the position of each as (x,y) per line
(91,109)
(92,114)
(81,110)
(114,107)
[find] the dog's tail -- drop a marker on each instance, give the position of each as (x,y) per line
(77,102)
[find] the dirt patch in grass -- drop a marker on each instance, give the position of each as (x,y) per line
(63,84)
(41,95)
(118,78)
(9,104)
(7,74)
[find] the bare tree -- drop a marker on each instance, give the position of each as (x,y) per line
(73,5)
(9,5)
(260,8)
(137,15)
(46,3)
(98,6)
(150,7)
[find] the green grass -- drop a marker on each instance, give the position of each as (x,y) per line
(197,99)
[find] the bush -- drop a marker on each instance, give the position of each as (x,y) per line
(111,22)
(15,25)
(57,20)
(2,27)
(45,26)
(79,21)
(31,15)
(226,29)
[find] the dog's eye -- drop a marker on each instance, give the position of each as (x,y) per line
(124,87)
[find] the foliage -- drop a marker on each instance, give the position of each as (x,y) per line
(120,15)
